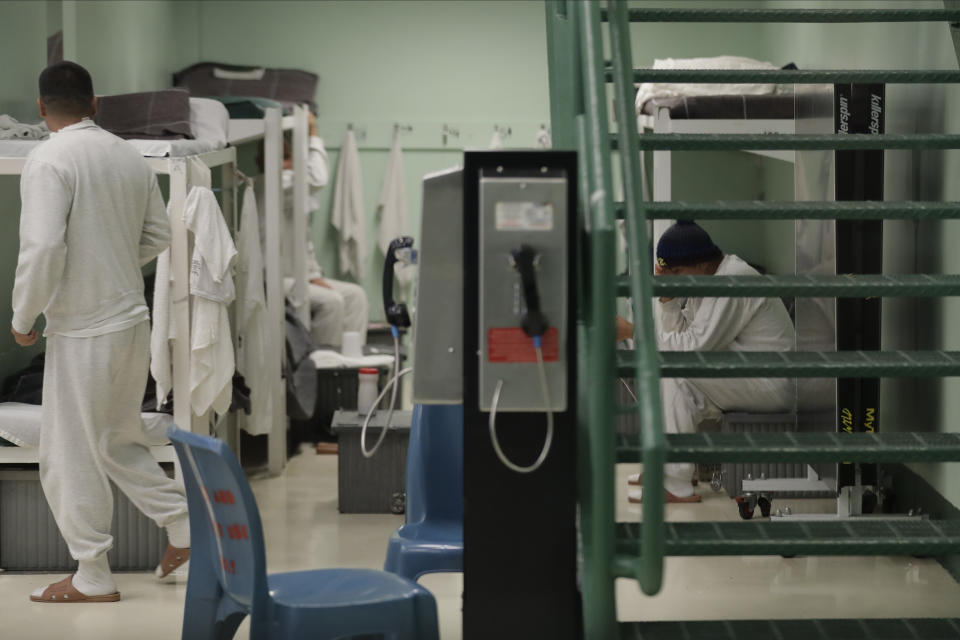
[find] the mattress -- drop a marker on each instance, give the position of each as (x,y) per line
(209,122)
(20,424)
(731,107)
(147,148)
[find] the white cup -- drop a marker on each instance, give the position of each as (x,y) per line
(352,345)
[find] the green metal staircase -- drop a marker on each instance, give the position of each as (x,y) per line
(579,75)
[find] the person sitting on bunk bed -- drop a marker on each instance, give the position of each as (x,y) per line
(711,324)
(92,215)
(335,306)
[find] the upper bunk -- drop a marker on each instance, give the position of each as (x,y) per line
(208,122)
(668,107)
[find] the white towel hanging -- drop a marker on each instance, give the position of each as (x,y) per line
(348,209)
(392,208)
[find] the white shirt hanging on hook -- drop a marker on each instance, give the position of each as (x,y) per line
(212,361)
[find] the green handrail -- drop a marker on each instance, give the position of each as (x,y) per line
(649,572)
(599,597)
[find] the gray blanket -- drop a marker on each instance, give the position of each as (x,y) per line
(287,86)
(150,115)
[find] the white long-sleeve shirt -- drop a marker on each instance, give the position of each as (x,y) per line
(726,324)
(318,175)
(91,216)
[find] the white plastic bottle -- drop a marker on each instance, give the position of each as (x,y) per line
(367,389)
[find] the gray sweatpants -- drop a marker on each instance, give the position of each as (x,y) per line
(91,433)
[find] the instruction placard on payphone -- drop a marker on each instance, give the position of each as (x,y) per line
(523,220)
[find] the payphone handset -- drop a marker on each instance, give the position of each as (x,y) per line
(400,250)
(397,315)
(524,257)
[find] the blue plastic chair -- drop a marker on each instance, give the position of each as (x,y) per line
(432,539)
(228,578)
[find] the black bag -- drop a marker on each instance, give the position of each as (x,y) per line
(299,370)
(26,385)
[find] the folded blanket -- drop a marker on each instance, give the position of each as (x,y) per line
(650,90)
(150,115)
(289,86)
(329,359)
(10,129)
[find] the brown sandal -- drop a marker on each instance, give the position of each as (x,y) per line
(328,448)
(671,498)
(173,558)
(636,480)
(64,591)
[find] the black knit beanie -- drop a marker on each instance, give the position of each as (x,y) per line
(685,243)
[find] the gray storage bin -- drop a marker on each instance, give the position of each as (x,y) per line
(735,473)
(377,484)
(30,540)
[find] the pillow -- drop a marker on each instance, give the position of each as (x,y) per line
(233,74)
(209,120)
(159,115)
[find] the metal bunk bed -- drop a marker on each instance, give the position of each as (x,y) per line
(270,130)
(19,488)
(578,77)
(34,544)
(175,168)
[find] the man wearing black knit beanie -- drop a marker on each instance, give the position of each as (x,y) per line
(711,324)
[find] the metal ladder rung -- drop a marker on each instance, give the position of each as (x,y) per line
(808,629)
(797,142)
(765,210)
(806,286)
(793,76)
(845,538)
(790,15)
(802,447)
(798,364)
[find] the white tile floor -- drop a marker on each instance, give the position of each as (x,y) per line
(304,530)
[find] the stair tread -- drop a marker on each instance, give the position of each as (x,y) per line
(802,447)
(859,537)
(777,210)
(664,14)
(788,141)
(790,76)
(815,286)
(799,364)
(831,629)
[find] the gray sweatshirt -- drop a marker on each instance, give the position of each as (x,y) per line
(92,216)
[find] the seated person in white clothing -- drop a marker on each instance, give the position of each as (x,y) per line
(711,324)
(335,306)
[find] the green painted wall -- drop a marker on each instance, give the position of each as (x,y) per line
(467,64)
(134,46)
(23,47)
(126,46)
